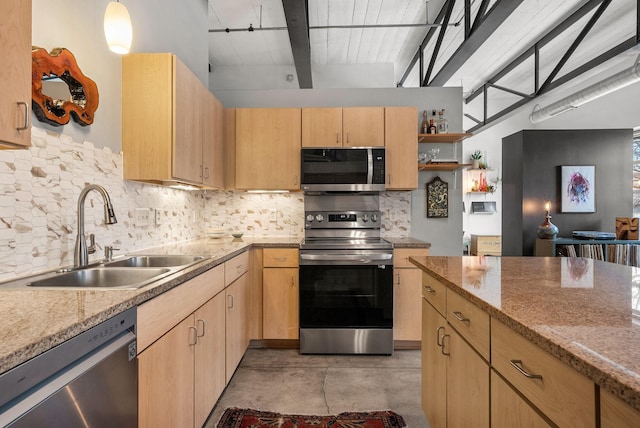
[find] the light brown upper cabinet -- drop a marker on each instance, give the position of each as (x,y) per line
(268,148)
(401,143)
(343,127)
(15,63)
(166,138)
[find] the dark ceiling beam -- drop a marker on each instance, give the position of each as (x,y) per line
(297,15)
(485,28)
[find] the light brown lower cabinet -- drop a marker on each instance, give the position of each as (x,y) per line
(182,374)
(237,331)
(280,304)
(508,409)
(616,414)
(455,387)
(407,294)
(280,293)
(190,341)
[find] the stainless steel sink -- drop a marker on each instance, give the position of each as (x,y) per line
(155,261)
(103,278)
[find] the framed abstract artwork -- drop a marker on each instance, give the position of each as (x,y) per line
(578,188)
(437,198)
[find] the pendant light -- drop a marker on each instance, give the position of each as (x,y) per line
(117,28)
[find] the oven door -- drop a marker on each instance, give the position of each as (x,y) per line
(346,303)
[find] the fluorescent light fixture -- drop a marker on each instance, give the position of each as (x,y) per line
(267,191)
(180,186)
(117,28)
(590,93)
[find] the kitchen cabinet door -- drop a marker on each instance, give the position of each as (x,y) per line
(467,384)
(268,148)
(280,303)
(434,367)
(187,147)
(213,142)
(165,379)
(401,144)
(15,73)
(322,127)
(237,339)
(210,368)
(508,409)
(406,304)
(363,127)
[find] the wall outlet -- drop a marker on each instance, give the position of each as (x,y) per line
(273,215)
(142,217)
(158,217)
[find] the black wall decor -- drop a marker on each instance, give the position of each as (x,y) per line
(531,175)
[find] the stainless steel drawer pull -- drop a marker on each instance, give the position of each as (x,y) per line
(193,338)
(461,317)
(439,336)
(200,323)
(442,348)
(280,259)
(428,289)
(240,267)
(518,366)
(26,116)
(230,301)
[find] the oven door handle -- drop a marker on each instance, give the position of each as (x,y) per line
(347,257)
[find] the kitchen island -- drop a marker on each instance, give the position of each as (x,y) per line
(580,312)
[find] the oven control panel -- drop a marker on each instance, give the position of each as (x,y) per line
(342,220)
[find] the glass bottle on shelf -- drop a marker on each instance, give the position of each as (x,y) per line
(433,123)
(424,127)
(443,125)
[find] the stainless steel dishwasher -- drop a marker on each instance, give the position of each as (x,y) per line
(91,380)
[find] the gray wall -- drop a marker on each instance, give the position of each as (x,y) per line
(445,234)
(531,161)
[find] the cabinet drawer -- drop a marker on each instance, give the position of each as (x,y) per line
(561,393)
(434,292)
(162,313)
(401,256)
(236,267)
(280,257)
(470,321)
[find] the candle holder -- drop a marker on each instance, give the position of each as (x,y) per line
(547,230)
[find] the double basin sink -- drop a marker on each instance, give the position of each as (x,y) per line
(129,273)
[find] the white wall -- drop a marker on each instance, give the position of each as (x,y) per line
(617,110)
(158,25)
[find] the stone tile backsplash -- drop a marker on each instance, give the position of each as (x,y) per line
(39,190)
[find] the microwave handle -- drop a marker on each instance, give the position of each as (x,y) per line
(369,165)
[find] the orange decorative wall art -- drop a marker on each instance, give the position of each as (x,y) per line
(62,64)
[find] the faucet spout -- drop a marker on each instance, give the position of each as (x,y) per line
(80,255)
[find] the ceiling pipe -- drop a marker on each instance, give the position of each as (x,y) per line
(330,27)
(590,93)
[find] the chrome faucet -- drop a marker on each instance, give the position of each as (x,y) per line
(81,255)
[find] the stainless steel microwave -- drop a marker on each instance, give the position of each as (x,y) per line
(359,169)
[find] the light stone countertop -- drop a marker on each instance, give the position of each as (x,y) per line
(35,320)
(584,312)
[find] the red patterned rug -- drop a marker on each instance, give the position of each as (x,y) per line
(248,418)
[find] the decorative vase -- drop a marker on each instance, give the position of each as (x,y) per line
(476,164)
(547,230)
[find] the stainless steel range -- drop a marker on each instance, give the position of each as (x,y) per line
(346,277)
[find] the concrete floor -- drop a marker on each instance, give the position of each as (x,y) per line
(282,380)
